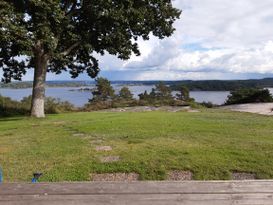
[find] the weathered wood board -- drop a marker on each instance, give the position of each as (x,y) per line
(139,193)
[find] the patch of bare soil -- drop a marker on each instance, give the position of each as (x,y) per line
(193,111)
(78,135)
(109,159)
(96,142)
(122,177)
(103,148)
(243,176)
(178,175)
(59,123)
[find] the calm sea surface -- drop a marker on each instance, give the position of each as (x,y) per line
(79,98)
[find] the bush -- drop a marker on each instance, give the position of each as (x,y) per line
(9,107)
(208,104)
(125,94)
(253,95)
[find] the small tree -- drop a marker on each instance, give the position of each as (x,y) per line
(103,91)
(144,96)
(125,93)
(163,92)
(183,94)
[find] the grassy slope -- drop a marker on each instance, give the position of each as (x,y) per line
(211,144)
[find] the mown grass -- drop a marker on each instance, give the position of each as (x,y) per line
(211,144)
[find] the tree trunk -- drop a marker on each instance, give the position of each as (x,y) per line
(38,92)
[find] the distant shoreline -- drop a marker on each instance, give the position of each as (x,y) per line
(202,85)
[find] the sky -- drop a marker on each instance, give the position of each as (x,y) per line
(213,40)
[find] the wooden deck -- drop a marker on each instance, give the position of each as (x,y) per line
(139,193)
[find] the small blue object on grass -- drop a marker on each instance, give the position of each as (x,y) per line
(36,176)
(1,175)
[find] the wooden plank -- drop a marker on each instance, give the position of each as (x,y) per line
(197,187)
(145,199)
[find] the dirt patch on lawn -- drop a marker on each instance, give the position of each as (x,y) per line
(78,135)
(110,159)
(193,111)
(96,142)
(243,176)
(103,148)
(123,177)
(59,123)
(178,175)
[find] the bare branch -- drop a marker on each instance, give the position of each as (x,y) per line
(67,51)
(73,7)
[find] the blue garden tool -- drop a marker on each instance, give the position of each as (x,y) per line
(36,177)
(1,175)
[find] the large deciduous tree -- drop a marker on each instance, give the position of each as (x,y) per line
(62,35)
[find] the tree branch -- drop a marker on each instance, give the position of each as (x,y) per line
(72,9)
(67,51)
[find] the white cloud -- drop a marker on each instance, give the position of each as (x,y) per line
(213,38)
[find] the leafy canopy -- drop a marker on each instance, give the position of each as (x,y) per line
(250,95)
(68,32)
(125,93)
(103,91)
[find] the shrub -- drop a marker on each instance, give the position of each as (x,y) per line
(125,94)
(253,95)
(208,104)
(9,107)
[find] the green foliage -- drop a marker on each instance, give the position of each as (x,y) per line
(249,96)
(221,85)
(9,107)
(103,91)
(66,33)
(125,93)
(160,95)
(208,104)
(183,94)
(163,92)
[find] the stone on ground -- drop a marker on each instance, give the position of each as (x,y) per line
(125,177)
(109,159)
(103,148)
(243,176)
(178,175)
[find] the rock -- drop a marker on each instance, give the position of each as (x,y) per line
(109,159)
(178,175)
(243,176)
(103,148)
(124,177)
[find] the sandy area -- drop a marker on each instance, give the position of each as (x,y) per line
(259,108)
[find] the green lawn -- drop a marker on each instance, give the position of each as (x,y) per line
(211,144)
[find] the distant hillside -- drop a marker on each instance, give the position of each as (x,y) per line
(202,85)
(222,85)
